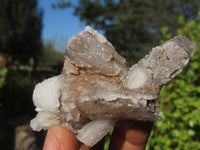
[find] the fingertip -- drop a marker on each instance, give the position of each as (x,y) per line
(60,138)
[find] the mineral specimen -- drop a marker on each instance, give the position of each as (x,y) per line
(96,88)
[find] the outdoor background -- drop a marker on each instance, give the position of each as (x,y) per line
(33,37)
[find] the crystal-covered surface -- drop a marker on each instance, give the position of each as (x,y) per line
(96,88)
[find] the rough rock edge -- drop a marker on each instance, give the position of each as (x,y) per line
(151,77)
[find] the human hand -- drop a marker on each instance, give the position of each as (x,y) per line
(126,136)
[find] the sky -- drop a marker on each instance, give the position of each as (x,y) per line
(59,24)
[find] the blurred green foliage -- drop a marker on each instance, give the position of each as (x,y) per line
(3,72)
(132,26)
(20,29)
(49,52)
(25,62)
(180,100)
(20,40)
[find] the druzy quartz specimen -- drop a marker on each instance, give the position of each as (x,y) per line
(96,88)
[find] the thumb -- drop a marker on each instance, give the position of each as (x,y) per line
(60,138)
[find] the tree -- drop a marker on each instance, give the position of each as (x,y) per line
(49,53)
(20,40)
(50,60)
(133,26)
(20,29)
(179,101)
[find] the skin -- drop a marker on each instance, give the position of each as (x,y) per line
(126,136)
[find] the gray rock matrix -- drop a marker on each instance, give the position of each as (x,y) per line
(96,88)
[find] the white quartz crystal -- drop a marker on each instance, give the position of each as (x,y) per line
(46,95)
(96,88)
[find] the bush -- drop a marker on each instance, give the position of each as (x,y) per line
(180,101)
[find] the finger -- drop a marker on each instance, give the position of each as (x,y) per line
(60,138)
(131,136)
